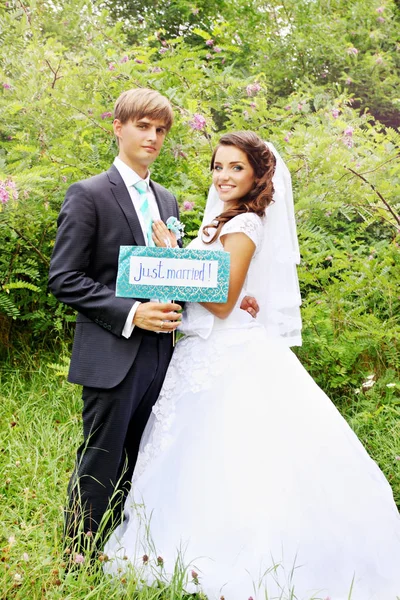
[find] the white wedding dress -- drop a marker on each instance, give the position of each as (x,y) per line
(249,476)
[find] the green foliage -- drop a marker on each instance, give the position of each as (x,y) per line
(288,71)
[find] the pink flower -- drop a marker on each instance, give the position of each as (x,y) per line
(4,195)
(208,56)
(299,106)
(397,457)
(64,178)
(288,107)
(253,105)
(124,59)
(111,67)
(253,88)
(195,11)
(163,50)
(324,75)
(335,113)
(348,81)
(106,115)
(348,142)
(288,136)
(137,60)
(378,60)
(198,122)
(79,559)
(380,9)
(156,70)
(210,43)
(380,20)
(6,86)
(217,49)
(353,51)
(188,205)
(349,131)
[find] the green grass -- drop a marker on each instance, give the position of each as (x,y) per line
(40,416)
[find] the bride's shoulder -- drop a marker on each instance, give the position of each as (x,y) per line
(248,223)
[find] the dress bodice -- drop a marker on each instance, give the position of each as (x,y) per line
(197,320)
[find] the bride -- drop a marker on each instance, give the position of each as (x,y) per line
(248,477)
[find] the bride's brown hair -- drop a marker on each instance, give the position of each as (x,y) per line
(263,163)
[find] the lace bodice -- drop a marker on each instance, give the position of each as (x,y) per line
(196,319)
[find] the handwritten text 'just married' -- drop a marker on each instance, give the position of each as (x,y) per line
(173,271)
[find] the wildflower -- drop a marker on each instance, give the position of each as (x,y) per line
(357,391)
(79,559)
(4,195)
(89,534)
(103,558)
(288,107)
(380,20)
(188,205)
(195,11)
(348,142)
(198,122)
(335,113)
(160,561)
(217,49)
(156,70)
(208,56)
(25,557)
(138,61)
(111,67)
(390,385)
(299,106)
(369,382)
(90,111)
(246,114)
(330,258)
(210,43)
(349,131)
(353,51)
(378,60)
(124,59)
(380,9)
(163,50)
(17,463)
(348,81)
(195,577)
(324,75)
(6,86)
(397,457)
(288,136)
(11,540)
(64,178)
(253,105)
(145,559)
(253,88)
(106,115)
(17,577)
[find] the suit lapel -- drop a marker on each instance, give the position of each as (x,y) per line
(121,194)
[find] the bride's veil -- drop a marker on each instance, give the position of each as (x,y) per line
(273,277)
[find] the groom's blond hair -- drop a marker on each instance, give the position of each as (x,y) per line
(138,103)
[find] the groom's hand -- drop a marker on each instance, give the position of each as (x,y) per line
(250,305)
(157,316)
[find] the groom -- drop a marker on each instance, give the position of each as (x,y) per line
(119,355)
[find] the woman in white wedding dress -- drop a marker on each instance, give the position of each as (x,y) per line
(248,477)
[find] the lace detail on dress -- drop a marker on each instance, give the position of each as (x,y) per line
(248,223)
(194,367)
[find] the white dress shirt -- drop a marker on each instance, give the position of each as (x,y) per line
(130,178)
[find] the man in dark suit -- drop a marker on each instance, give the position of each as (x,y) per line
(122,347)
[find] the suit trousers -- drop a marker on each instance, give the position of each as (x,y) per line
(113,423)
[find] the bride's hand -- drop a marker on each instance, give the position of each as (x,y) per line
(162,236)
(250,305)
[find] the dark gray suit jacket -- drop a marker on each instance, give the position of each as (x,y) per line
(96,218)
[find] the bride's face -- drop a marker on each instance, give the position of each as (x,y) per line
(233,176)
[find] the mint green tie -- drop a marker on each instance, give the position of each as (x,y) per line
(144,207)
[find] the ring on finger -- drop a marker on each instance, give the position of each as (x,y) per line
(161,324)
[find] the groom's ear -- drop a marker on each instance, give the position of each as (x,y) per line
(117,125)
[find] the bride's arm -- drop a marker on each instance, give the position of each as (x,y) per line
(241,248)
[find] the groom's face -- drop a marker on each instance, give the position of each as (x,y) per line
(140,142)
